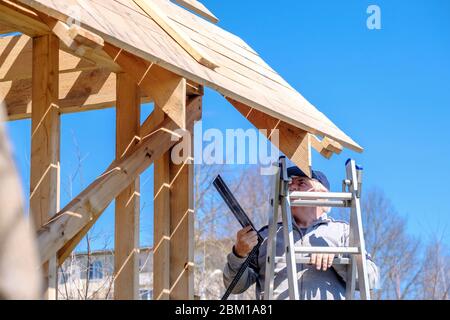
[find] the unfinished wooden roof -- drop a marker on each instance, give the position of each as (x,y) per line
(235,70)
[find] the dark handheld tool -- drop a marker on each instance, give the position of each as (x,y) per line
(244,221)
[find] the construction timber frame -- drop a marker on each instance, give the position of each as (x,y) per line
(54,62)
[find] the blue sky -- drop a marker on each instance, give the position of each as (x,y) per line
(388,89)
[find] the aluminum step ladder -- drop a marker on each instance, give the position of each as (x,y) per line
(354,255)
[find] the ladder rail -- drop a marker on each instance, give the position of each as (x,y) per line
(358,235)
(272,240)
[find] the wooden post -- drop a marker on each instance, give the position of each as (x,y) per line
(161,225)
(173,250)
(45,144)
(174,220)
(126,257)
(182,228)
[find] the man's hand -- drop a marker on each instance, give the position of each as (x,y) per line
(322,261)
(246,240)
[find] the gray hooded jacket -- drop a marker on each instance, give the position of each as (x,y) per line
(313,284)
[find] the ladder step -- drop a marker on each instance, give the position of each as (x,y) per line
(307,260)
(321,203)
(329,250)
(321,195)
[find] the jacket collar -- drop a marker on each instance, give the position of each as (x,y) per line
(321,220)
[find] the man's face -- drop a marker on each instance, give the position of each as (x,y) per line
(301,184)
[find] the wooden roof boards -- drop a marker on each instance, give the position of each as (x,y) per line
(241,74)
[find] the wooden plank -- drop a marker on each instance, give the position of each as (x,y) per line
(293,142)
(79,92)
(166,88)
(150,127)
(45,145)
(161,18)
(198,8)
(126,240)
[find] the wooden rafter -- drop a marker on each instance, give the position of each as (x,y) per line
(293,142)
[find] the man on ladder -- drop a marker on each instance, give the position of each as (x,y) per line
(320,276)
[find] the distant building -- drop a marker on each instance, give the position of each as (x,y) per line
(90,276)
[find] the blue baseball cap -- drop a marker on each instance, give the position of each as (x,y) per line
(318,175)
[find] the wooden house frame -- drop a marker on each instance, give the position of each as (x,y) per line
(79,55)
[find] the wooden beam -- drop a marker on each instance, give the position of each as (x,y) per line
(126,241)
(82,212)
(161,85)
(182,223)
(22,19)
(4,29)
(293,142)
(45,144)
(198,8)
(169,26)
(161,227)
(16,56)
(332,145)
(79,92)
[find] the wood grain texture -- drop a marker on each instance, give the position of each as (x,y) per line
(127,205)
(123,24)
(161,228)
(45,145)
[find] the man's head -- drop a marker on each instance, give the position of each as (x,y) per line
(296,173)
(302,183)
